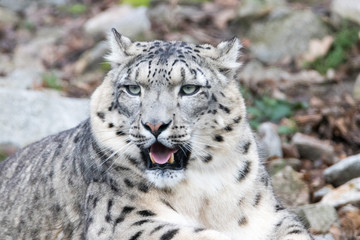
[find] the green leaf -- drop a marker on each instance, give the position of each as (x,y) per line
(50,80)
(137,3)
(337,55)
(105,66)
(271,109)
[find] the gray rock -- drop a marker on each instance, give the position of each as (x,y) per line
(349,9)
(289,36)
(170,15)
(92,58)
(319,194)
(8,17)
(27,116)
(22,5)
(28,55)
(270,139)
(276,165)
(323,237)
(257,8)
(356,88)
(18,5)
(127,20)
(343,171)
(318,217)
(345,194)
(313,149)
(290,188)
(22,79)
(6,66)
(254,73)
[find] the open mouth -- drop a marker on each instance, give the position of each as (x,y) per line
(159,156)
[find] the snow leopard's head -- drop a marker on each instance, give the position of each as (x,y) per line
(165,107)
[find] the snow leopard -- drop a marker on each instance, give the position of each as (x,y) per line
(166,154)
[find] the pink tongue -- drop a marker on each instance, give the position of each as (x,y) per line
(160,153)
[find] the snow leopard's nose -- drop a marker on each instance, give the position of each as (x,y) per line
(156,129)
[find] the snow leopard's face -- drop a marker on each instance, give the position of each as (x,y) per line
(165,105)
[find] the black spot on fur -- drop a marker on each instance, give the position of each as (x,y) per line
(225,109)
(279,223)
(132,161)
(257,199)
(157,229)
(295,231)
(218,138)
(101,115)
(241,202)
(128,183)
(182,72)
(95,202)
(146,213)
(109,206)
(228,128)
(121,168)
(238,119)
(141,222)
(246,147)
(242,221)
(279,207)
(213,98)
(169,234)
(143,187)
(113,185)
(244,172)
(207,159)
(111,125)
(199,230)
(125,211)
(136,236)
(120,133)
(265,180)
(168,204)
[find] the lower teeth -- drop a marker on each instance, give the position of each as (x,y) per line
(171,160)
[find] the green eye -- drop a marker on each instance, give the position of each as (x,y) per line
(133,90)
(189,89)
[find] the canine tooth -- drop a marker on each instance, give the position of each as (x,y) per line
(171,160)
(152,159)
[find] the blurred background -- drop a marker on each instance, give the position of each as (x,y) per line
(300,79)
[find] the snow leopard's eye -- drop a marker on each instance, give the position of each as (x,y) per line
(189,89)
(134,90)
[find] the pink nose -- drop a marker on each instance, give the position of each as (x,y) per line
(154,128)
(157,128)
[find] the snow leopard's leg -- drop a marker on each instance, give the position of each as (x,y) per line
(290,228)
(119,218)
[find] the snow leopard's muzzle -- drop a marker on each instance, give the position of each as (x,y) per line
(161,157)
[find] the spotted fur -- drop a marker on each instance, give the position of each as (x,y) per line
(97,181)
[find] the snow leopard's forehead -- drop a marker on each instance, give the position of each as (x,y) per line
(163,51)
(167,63)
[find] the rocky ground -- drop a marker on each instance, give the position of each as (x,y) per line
(300,79)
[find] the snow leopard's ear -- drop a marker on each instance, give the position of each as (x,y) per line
(121,48)
(224,56)
(229,52)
